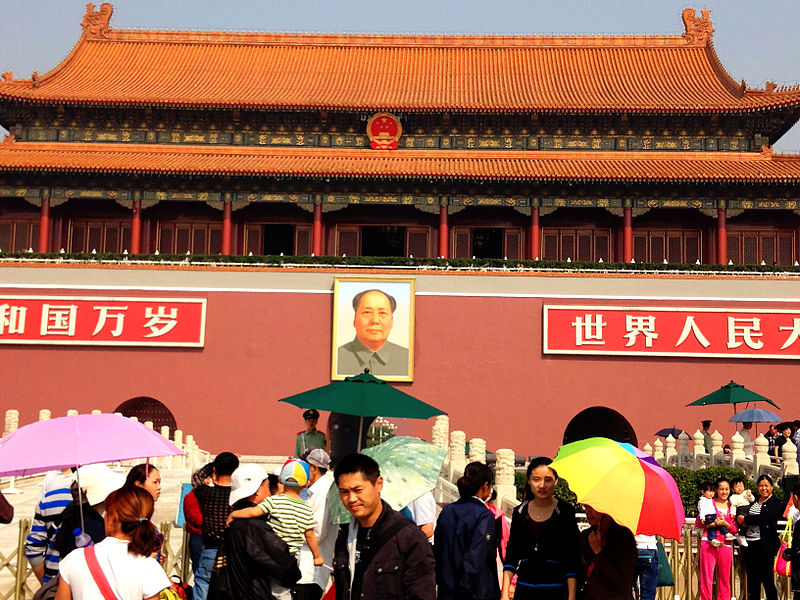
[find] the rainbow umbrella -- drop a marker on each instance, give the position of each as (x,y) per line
(624,482)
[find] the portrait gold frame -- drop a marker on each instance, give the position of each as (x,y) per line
(344,288)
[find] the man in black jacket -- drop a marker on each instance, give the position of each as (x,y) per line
(254,555)
(383,550)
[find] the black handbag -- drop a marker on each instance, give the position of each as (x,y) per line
(219,588)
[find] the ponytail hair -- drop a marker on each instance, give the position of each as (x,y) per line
(133,508)
(476,474)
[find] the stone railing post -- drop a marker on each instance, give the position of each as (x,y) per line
(71,412)
(477,450)
(166,461)
(440,436)
(716,443)
(188,449)
(684,455)
(97,411)
(12,421)
(670,449)
(698,443)
(504,476)
(658,452)
(760,456)
(457,454)
(648,449)
(737,447)
(44,414)
(789,454)
(11,425)
(177,439)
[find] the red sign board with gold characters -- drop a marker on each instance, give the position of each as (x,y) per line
(384,131)
(102,321)
(672,331)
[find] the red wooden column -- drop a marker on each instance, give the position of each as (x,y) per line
(797,244)
(226,228)
(444,232)
(316,230)
(722,236)
(136,227)
(627,234)
(44,223)
(535,233)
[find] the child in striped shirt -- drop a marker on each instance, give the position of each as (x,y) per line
(289,515)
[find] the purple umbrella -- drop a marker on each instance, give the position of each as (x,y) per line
(79,440)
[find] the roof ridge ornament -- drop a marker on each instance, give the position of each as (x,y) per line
(95,23)
(698,29)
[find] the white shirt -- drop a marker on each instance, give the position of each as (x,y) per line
(705,506)
(131,577)
(325,532)
(423,510)
(748,443)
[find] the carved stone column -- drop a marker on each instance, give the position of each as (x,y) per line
(504,476)
(440,435)
(458,455)
(477,450)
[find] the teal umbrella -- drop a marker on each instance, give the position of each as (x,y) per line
(364,396)
(409,467)
(732,393)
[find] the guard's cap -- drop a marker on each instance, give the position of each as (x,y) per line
(311,414)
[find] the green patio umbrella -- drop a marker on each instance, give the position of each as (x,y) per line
(732,393)
(364,396)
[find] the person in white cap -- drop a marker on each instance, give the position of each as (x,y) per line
(96,482)
(315,579)
(256,557)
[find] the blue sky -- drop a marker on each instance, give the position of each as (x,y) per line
(756,41)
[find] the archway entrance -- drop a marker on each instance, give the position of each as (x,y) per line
(145,408)
(600,421)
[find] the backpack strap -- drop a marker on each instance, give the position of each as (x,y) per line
(97,574)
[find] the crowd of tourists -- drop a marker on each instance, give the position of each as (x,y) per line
(256,535)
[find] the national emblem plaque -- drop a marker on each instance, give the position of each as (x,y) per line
(384,130)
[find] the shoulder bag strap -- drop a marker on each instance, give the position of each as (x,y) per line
(97,574)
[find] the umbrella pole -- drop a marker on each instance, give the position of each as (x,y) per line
(80,497)
(360,428)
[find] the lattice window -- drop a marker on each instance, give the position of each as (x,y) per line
(196,238)
(752,247)
(462,247)
(576,244)
(103,236)
(550,246)
(302,240)
(348,240)
(513,244)
(750,250)
(417,241)
(654,245)
(17,235)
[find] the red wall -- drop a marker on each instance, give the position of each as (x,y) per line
(478,358)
